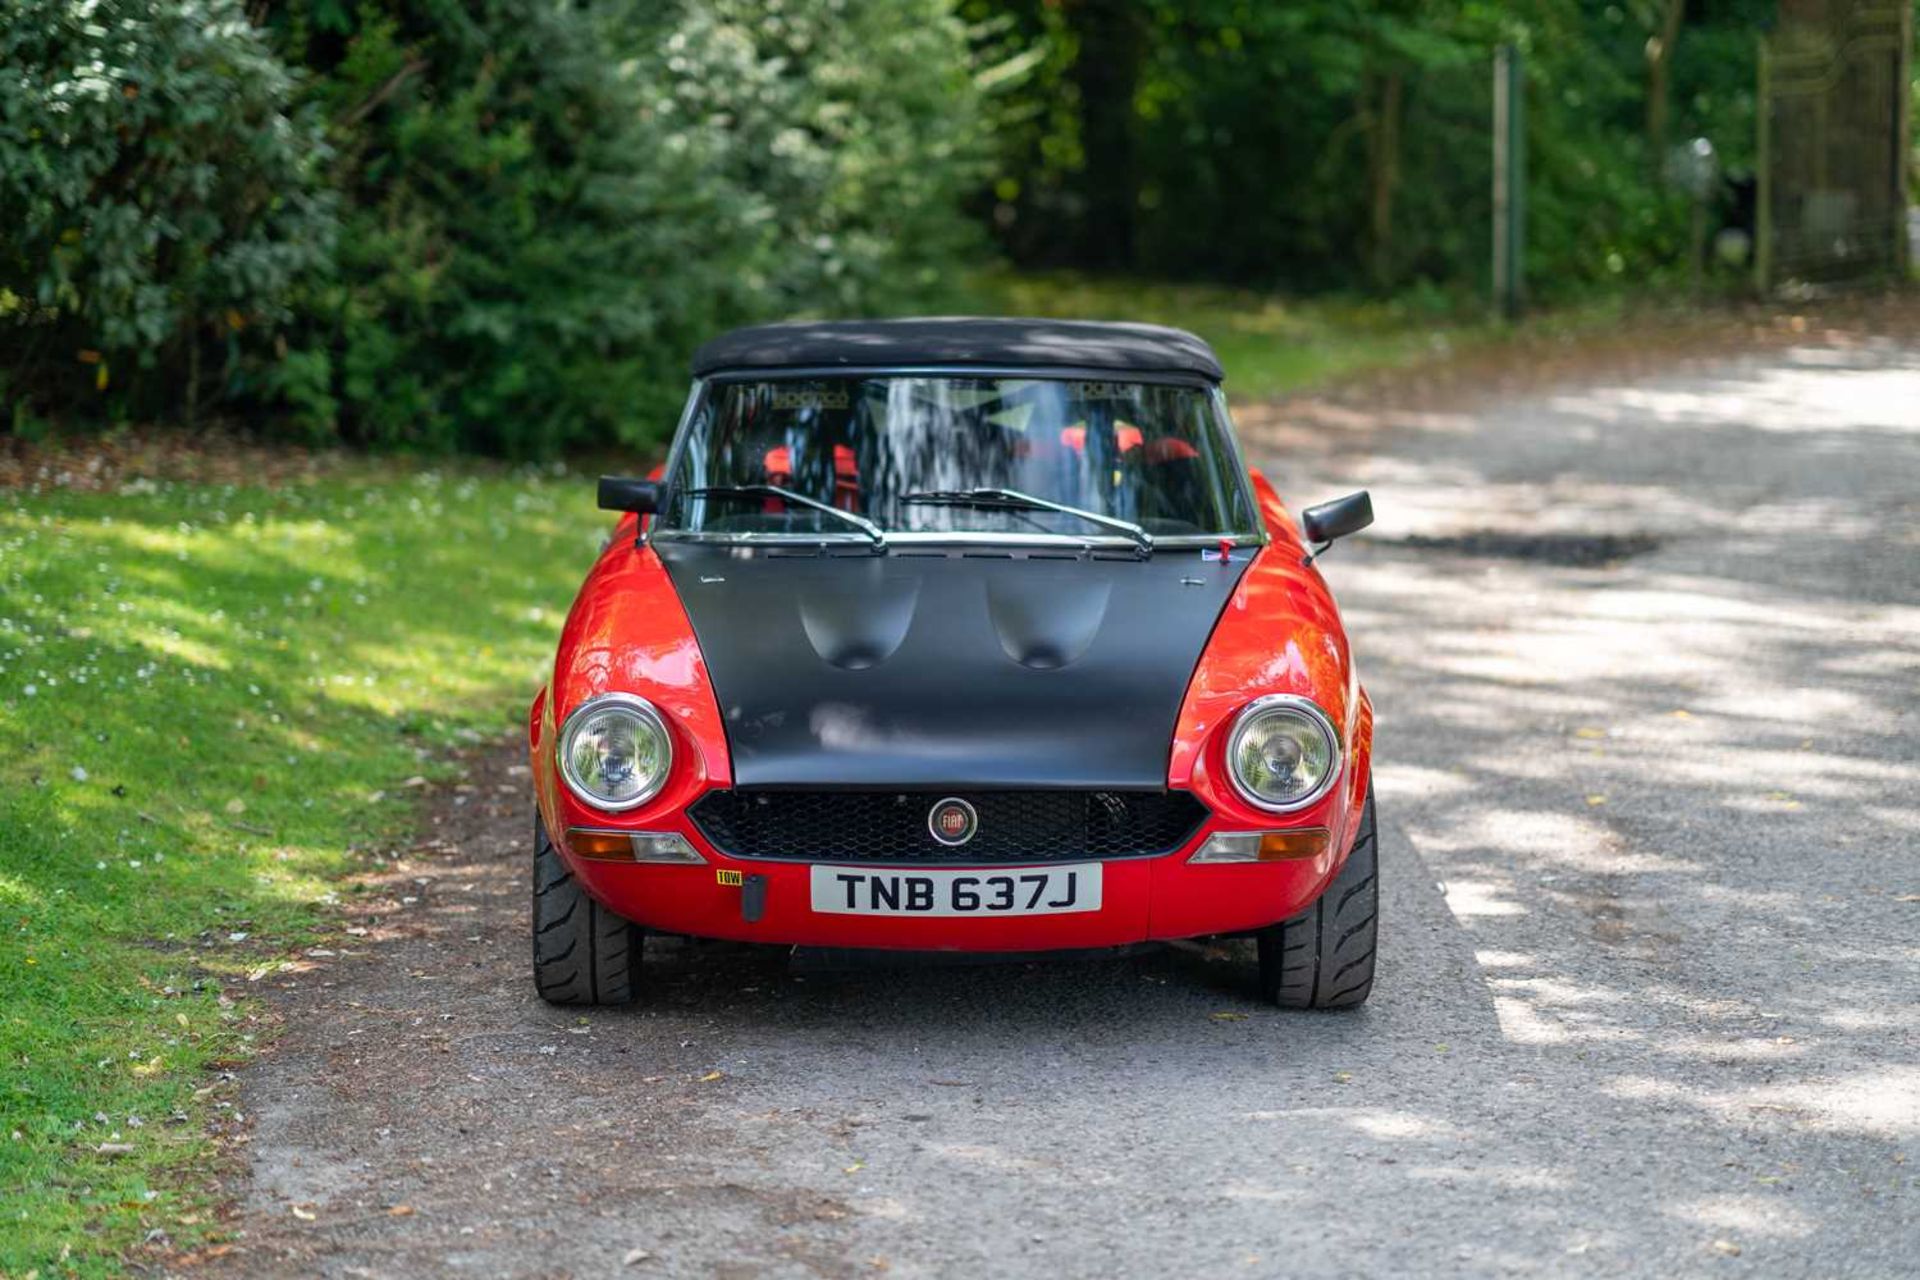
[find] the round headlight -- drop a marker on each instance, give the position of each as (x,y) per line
(614,751)
(1283,754)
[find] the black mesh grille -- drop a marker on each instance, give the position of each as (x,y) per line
(891,826)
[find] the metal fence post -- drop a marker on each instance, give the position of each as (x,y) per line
(1763,173)
(1903,142)
(1509,182)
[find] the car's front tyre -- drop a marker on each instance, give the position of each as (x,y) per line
(1323,958)
(582,952)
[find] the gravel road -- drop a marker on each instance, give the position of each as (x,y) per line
(1649,1001)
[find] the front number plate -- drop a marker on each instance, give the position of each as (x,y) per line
(1021,891)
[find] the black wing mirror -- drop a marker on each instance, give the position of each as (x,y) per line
(1336,519)
(628,493)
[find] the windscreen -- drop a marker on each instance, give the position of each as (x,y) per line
(1152,454)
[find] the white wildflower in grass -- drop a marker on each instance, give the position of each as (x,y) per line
(78,774)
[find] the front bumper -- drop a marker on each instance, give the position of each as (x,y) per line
(1144,899)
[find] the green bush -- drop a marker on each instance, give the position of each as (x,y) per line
(540,208)
(847,133)
(161,201)
(524,244)
(549,206)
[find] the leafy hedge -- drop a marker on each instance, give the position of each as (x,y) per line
(162,199)
(491,225)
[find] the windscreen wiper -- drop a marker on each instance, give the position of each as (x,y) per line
(1014,500)
(864,525)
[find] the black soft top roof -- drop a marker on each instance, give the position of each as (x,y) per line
(958,341)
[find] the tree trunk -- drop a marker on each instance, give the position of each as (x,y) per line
(1659,76)
(1107,73)
(193,375)
(1383,168)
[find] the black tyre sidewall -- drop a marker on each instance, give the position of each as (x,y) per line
(583,954)
(1325,957)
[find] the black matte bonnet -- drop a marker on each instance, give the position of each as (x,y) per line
(962,669)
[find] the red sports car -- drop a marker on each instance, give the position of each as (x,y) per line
(954,634)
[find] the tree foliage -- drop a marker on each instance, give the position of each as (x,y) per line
(500,225)
(496,225)
(524,242)
(162,198)
(548,205)
(1346,143)
(846,135)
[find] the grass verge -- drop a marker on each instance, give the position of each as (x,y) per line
(1272,345)
(210,696)
(1269,344)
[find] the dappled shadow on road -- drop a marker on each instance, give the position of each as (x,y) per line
(1675,802)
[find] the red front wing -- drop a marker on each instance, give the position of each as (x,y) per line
(1280,633)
